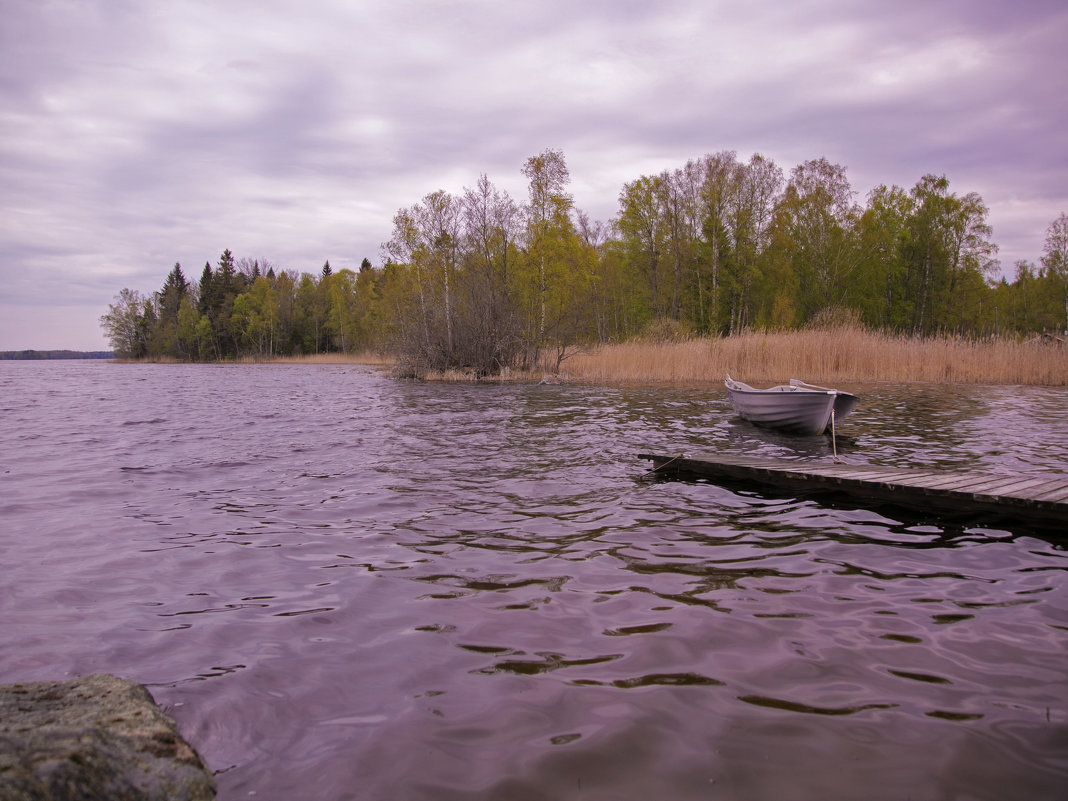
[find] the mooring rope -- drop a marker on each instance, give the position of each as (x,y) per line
(646,475)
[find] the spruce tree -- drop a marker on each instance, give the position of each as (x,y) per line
(228,284)
(207,290)
(174,289)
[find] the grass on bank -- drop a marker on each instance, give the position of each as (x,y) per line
(362,357)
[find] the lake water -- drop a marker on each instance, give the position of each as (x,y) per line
(344,586)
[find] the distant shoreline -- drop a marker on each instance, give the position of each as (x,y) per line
(49,355)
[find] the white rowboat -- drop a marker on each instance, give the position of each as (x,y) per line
(796,408)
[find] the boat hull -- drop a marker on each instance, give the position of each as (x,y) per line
(797,408)
(844,402)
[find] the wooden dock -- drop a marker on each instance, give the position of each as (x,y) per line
(1043,498)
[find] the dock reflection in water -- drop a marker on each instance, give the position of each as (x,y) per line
(344,586)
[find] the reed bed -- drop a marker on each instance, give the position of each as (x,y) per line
(823,357)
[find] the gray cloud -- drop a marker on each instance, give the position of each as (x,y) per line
(137,135)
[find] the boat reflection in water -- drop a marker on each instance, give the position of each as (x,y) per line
(796,408)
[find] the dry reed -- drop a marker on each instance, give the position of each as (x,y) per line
(823,356)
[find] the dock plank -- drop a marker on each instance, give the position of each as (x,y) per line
(1055,496)
(1037,486)
(1018,486)
(1043,497)
(948,481)
(979,485)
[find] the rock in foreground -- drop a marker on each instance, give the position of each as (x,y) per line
(98,737)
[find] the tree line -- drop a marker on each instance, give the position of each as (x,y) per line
(481,281)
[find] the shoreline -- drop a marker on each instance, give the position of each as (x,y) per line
(826,356)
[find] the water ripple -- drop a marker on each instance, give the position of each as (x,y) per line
(451,591)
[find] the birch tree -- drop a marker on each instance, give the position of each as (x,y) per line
(719,187)
(750,213)
(641,228)
(1055,257)
(124,324)
(820,217)
(488,319)
(548,221)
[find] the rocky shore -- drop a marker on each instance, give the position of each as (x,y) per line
(97,737)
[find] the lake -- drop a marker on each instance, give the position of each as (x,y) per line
(342,585)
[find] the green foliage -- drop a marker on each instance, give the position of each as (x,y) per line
(479,282)
(124,325)
(1055,262)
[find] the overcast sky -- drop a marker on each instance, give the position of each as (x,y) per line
(137,134)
